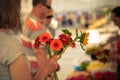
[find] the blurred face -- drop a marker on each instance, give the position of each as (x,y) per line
(42,10)
(48,18)
(115,19)
(46,7)
(49,2)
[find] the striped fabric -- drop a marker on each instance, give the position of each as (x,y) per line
(31,27)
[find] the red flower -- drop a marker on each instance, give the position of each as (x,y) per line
(98,76)
(107,75)
(118,45)
(73,45)
(44,37)
(66,39)
(36,44)
(56,44)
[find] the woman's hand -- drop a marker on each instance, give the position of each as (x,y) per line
(47,68)
(40,55)
(51,65)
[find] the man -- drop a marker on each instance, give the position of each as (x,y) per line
(33,25)
(50,22)
(115,15)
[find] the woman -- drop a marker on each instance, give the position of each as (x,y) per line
(115,55)
(13,62)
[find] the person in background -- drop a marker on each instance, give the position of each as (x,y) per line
(48,21)
(115,54)
(33,25)
(13,62)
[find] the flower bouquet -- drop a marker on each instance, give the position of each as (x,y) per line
(79,75)
(98,53)
(96,66)
(107,75)
(57,46)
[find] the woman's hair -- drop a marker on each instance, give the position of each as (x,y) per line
(10,14)
(116,11)
(36,2)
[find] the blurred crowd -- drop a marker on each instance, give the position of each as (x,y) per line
(77,18)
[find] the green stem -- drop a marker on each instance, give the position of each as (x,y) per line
(67,47)
(82,46)
(49,52)
(55,74)
(76,31)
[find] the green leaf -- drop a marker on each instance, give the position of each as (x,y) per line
(82,37)
(66,31)
(84,66)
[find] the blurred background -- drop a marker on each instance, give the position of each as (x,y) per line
(87,15)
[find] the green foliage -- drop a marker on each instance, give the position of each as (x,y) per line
(66,31)
(84,65)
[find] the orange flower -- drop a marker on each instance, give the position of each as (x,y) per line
(44,37)
(86,39)
(56,44)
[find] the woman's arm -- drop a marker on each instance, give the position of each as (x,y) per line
(19,69)
(48,67)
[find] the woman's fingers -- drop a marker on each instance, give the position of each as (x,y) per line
(40,55)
